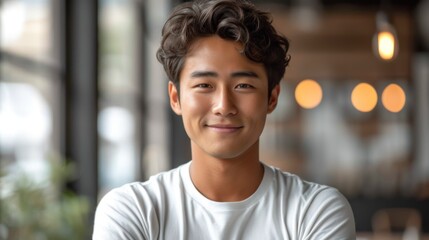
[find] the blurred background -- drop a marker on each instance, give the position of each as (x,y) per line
(84,109)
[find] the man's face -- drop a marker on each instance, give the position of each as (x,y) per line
(223,98)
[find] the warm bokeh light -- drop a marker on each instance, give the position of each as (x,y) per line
(393,98)
(386,45)
(364,97)
(308,94)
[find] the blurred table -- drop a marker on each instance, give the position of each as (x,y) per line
(387,236)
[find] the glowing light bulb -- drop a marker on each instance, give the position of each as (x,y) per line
(364,97)
(385,42)
(386,45)
(393,98)
(308,94)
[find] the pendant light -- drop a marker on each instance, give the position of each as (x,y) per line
(385,41)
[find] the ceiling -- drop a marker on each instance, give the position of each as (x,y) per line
(411,4)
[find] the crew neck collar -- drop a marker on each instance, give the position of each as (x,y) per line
(225,206)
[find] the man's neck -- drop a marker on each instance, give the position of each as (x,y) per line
(226,180)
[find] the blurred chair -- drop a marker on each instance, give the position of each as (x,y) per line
(397,223)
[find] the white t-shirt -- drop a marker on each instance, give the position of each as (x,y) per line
(168,206)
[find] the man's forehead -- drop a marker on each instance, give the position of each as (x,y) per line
(212,41)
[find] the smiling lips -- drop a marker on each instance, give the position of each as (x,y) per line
(224,128)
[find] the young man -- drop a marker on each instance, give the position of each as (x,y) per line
(224,61)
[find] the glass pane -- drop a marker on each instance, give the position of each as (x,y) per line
(29,98)
(26,119)
(32,173)
(26,28)
(120,92)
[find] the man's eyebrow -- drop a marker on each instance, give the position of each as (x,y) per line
(198,74)
(245,74)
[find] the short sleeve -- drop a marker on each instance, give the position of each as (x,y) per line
(328,216)
(119,216)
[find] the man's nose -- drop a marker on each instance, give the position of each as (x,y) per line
(224,103)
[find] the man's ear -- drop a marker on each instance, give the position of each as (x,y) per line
(174,98)
(272,102)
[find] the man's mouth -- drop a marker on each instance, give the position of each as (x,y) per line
(224,128)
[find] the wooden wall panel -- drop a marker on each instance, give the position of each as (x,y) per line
(340,46)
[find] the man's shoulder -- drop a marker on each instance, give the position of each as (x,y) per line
(144,191)
(298,187)
(132,210)
(319,208)
(168,177)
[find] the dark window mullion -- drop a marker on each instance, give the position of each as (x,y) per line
(80,62)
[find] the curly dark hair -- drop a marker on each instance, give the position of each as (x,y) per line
(236,20)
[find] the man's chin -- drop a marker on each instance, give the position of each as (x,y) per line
(226,155)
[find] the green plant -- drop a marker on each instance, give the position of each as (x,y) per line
(42,210)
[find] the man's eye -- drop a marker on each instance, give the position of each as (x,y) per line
(203,85)
(244,85)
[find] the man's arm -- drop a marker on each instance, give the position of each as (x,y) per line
(119,216)
(328,216)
